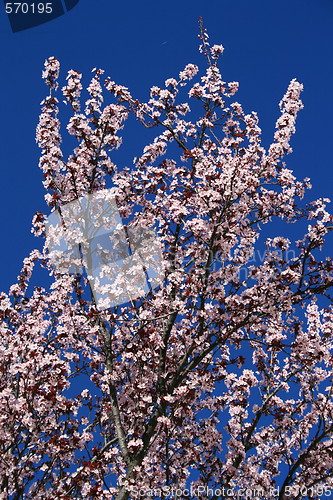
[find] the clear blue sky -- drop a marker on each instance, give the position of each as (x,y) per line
(267,43)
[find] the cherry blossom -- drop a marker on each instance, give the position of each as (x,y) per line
(218,377)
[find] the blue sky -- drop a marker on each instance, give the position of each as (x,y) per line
(267,43)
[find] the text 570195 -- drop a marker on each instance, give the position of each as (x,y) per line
(28,8)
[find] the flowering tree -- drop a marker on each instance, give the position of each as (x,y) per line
(217,380)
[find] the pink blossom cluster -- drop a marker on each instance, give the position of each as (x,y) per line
(218,377)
